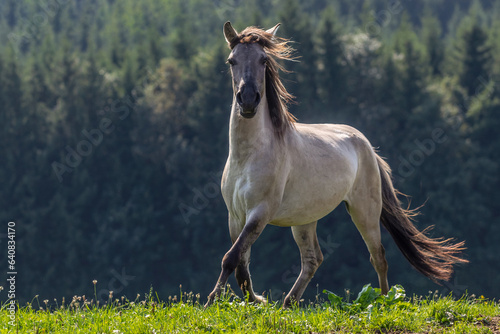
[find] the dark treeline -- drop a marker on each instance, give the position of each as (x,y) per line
(114,130)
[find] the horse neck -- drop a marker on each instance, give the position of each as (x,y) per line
(246,136)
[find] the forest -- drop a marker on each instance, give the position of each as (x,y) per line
(114,136)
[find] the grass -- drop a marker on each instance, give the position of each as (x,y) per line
(368,313)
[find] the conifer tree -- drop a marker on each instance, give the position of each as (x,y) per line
(331,74)
(475,55)
(413,66)
(298,28)
(431,32)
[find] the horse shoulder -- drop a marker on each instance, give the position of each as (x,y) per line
(256,182)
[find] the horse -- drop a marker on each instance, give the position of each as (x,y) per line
(289,174)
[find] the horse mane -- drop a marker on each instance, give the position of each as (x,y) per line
(277,96)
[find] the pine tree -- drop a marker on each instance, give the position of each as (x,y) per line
(297,27)
(365,16)
(331,77)
(184,39)
(11,12)
(414,69)
(431,32)
(413,79)
(475,56)
(72,120)
(494,34)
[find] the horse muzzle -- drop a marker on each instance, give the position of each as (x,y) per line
(248,98)
(248,113)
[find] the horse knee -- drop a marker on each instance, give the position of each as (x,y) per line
(230,261)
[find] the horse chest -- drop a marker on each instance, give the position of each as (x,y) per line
(244,187)
(233,191)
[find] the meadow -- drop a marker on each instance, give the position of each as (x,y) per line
(365,312)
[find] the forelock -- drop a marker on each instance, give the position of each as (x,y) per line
(252,35)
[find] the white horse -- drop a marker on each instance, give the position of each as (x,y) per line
(289,174)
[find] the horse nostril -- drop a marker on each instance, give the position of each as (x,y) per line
(238,98)
(257,98)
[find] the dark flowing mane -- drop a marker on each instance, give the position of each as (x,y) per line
(277,96)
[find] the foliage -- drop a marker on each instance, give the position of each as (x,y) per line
(115,122)
(184,313)
(368,298)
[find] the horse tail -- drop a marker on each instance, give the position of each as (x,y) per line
(433,257)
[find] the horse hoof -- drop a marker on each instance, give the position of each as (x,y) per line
(288,302)
(210,301)
(207,304)
(260,299)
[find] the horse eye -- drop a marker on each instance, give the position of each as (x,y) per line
(264,60)
(231,61)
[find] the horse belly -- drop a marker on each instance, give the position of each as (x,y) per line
(306,208)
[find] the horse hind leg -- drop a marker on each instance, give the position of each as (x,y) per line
(365,213)
(311,258)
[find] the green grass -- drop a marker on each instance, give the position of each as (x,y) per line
(368,313)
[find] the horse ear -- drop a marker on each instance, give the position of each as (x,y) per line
(274,29)
(229,32)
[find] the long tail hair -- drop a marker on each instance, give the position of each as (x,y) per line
(433,257)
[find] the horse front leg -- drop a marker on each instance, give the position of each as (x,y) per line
(242,272)
(310,256)
(253,228)
(244,279)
